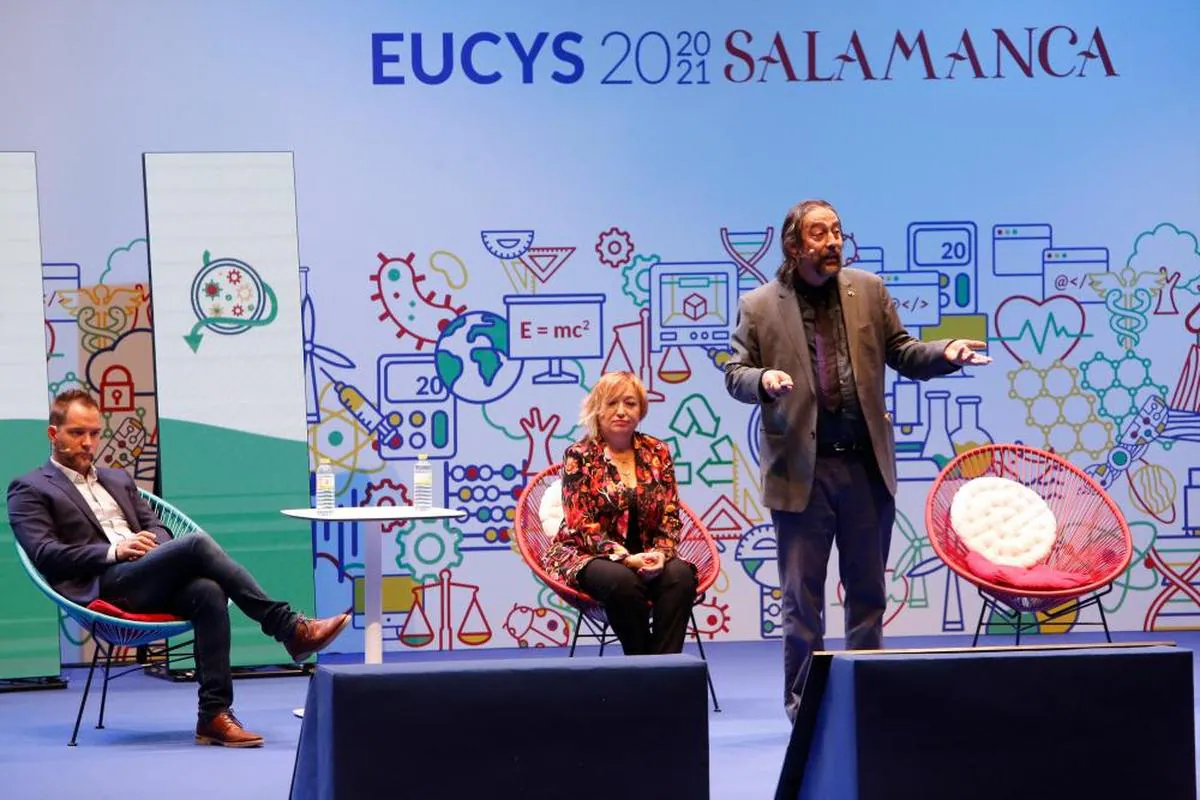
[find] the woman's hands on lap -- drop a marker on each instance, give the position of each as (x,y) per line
(648,565)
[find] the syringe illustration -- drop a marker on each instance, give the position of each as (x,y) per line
(363,410)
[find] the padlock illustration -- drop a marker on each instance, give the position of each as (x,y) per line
(116,389)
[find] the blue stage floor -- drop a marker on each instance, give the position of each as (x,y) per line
(147,749)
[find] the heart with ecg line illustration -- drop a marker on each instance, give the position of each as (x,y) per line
(1040,332)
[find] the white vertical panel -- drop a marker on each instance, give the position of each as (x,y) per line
(22,322)
(224,269)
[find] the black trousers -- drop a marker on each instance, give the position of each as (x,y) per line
(850,505)
(629,601)
(192,577)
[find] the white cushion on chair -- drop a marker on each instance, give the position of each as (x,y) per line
(1004,521)
(551,510)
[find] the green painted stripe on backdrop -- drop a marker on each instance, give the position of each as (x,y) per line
(233,484)
(28,620)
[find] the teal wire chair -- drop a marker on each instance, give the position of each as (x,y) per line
(111,632)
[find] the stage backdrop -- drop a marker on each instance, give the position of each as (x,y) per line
(496,203)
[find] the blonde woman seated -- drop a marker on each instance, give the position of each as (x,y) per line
(621,522)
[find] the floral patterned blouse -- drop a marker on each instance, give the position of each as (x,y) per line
(596,506)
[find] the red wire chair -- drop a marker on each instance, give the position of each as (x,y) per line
(1092,537)
(695,546)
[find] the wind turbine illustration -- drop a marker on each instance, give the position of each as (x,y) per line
(314,352)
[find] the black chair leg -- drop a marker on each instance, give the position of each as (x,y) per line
(87,686)
(603,638)
(1104,621)
(983,609)
(575,638)
(104,688)
(707,672)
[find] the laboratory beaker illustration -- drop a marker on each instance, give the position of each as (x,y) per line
(968,436)
(938,447)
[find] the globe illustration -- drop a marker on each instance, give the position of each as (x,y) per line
(472,360)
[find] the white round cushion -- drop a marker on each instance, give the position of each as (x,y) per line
(550,510)
(1005,522)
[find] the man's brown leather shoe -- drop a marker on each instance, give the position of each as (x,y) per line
(225,730)
(313,635)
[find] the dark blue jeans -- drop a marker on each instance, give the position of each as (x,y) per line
(192,577)
(850,505)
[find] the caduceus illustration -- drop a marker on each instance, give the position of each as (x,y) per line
(1128,295)
(105,313)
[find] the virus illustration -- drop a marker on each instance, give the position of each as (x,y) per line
(712,617)
(415,312)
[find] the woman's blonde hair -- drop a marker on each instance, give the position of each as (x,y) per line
(610,385)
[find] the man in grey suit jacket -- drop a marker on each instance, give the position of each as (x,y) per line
(92,536)
(810,349)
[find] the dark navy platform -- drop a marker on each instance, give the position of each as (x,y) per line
(1098,722)
(530,728)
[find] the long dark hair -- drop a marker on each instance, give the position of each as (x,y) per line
(790,238)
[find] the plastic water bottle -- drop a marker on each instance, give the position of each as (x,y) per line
(325,487)
(422,483)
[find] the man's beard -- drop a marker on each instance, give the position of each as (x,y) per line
(824,267)
(831,261)
(77,460)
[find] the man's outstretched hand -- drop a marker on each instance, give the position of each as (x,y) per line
(963,352)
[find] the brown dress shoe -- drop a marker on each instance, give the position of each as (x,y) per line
(314,635)
(225,730)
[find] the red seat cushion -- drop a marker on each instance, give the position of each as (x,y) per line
(107,608)
(1038,577)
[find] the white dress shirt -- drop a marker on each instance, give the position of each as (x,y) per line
(108,513)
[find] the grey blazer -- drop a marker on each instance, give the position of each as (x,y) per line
(770,335)
(62,536)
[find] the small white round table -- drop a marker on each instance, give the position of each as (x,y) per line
(376,517)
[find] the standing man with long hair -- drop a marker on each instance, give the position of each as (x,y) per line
(810,349)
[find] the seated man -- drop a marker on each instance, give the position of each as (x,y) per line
(91,535)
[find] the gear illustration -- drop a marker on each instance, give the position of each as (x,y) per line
(614,247)
(849,250)
(387,492)
(636,275)
(416,313)
(427,547)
